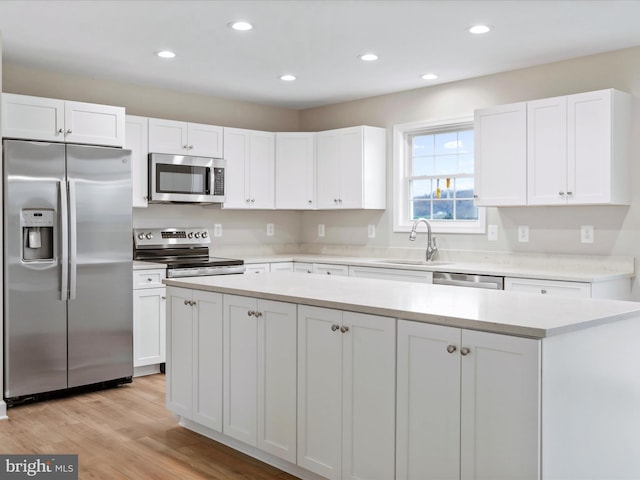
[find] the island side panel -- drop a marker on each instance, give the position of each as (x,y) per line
(591,403)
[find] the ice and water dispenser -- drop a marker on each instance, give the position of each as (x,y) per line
(37,234)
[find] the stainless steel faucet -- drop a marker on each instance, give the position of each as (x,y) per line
(432,249)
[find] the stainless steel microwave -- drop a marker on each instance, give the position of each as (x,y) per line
(186,179)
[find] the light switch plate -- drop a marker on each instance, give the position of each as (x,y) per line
(321,229)
(523,233)
(492,233)
(270,229)
(217,230)
(371,231)
(586,233)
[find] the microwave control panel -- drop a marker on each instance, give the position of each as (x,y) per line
(218,181)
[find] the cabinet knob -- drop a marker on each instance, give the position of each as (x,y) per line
(569,193)
(465,351)
(475,196)
(344,329)
(257,314)
(561,193)
(190,147)
(328,273)
(335,327)
(186,147)
(163,298)
(186,302)
(193,303)
(250,313)
(69,132)
(543,291)
(451,348)
(149,279)
(60,130)
(253,200)
(310,202)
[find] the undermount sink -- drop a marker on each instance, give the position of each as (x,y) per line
(401,261)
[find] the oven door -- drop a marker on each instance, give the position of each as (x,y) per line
(184,179)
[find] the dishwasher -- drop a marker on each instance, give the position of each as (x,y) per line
(488,282)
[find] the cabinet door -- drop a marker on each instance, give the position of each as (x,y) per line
(277,348)
(236,153)
(94,124)
(136,140)
(167,136)
(547,152)
(149,343)
(295,170)
(204,140)
(262,170)
(302,267)
(32,118)
(207,359)
(240,333)
(500,411)
(328,169)
(428,411)
(501,155)
(320,391)
(351,178)
(368,386)
(179,372)
(590,147)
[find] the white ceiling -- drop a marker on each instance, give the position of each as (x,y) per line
(318,41)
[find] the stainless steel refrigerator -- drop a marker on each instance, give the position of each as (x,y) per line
(67,267)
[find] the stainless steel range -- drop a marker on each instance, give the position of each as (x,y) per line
(185,251)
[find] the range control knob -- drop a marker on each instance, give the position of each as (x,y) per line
(197,234)
(141,236)
(149,236)
(190,235)
(205,234)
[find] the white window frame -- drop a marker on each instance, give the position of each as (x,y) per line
(401,220)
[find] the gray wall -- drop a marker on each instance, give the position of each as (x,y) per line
(552,229)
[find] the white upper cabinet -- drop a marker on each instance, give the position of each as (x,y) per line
(136,141)
(295,170)
(578,149)
(53,120)
(182,138)
(569,150)
(250,160)
(501,155)
(351,168)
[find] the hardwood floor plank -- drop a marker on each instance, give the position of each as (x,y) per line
(126,433)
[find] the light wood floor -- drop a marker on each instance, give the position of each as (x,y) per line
(125,433)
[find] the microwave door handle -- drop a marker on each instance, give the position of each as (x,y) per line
(64,241)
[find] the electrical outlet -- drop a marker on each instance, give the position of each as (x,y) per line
(217,230)
(523,233)
(321,229)
(371,231)
(586,233)
(270,229)
(492,233)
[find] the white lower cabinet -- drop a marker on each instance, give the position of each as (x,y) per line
(346,394)
(149,335)
(615,289)
(468,405)
(402,275)
(260,374)
(194,356)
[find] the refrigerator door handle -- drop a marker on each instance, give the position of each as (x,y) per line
(72,240)
(64,241)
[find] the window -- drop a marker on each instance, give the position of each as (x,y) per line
(433,176)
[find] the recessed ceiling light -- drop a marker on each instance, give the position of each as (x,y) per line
(288,78)
(241,26)
(429,76)
(479,29)
(166,54)
(369,57)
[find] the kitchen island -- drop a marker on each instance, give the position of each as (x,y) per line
(342,377)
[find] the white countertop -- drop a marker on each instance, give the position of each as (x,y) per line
(550,271)
(492,311)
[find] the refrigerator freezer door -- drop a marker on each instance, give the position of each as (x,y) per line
(35,309)
(100,318)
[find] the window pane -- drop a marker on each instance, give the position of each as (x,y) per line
(421,209)
(421,198)
(465,141)
(465,210)
(443,210)
(465,163)
(446,143)
(422,145)
(422,166)
(446,165)
(464,187)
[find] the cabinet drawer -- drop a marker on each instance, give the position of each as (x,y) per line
(328,269)
(548,287)
(417,276)
(257,268)
(148,278)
